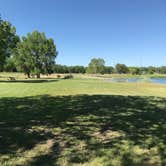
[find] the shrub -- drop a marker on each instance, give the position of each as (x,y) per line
(68,76)
(58,76)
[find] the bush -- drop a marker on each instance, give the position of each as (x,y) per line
(68,76)
(58,76)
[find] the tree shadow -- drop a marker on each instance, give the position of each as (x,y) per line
(83,128)
(29,81)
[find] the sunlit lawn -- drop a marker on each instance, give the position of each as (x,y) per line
(86,122)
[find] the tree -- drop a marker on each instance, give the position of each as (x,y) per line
(151,70)
(96,66)
(108,70)
(143,70)
(69,69)
(76,69)
(162,70)
(35,54)
(134,70)
(121,68)
(61,69)
(8,41)
(10,65)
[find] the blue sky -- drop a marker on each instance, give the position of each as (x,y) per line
(120,31)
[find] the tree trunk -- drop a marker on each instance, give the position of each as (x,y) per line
(38,75)
(28,74)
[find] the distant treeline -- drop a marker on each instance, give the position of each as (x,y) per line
(119,68)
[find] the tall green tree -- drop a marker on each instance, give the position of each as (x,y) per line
(35,54)
(162,70)
(108,70)
(10,65)
(96,65)
(8,41)
(121,68)
(134,70)
(151,70)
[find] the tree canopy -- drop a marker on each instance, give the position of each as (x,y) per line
(35,54)
(96,65)
(8,41)
(121,68)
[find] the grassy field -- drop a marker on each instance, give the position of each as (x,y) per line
(81,122)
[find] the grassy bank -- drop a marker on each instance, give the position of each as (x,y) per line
(82,122)
(21,88)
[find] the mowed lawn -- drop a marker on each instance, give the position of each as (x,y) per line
(82,122)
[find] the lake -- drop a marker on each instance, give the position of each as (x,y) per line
(153,80)
(158,80)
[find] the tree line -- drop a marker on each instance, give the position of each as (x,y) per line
(102,69)
(35,54)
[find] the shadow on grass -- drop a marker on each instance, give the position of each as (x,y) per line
(113,130)
(29,81)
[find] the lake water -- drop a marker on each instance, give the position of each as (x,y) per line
(154,80)
(158,80)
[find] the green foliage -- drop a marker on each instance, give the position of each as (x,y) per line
(162,70)
(10,65)
(108,70)
(143,70)
(70,76)
(121,68)
(96,66)
(8,41)
(35,54)
(134,70)
(77,69)
(151,70)
(69,69)
(61,69)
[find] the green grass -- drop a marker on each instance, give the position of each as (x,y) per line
(82,122)
(22,88)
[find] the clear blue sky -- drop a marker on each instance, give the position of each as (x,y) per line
(120,31)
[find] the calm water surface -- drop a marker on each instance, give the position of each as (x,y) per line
(154,80)
(159,80)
